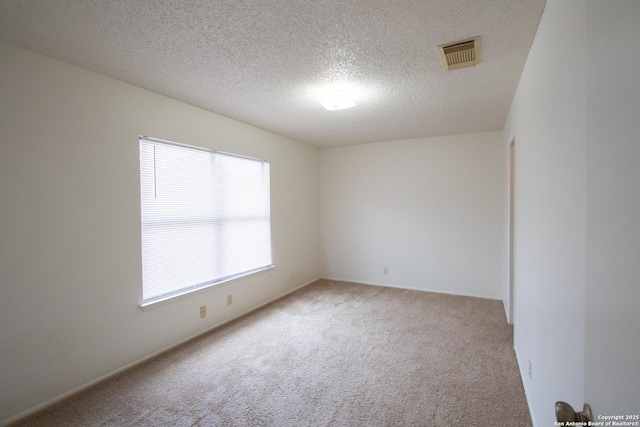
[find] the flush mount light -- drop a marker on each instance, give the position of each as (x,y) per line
(335,99)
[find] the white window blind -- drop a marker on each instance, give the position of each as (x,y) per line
(205,217)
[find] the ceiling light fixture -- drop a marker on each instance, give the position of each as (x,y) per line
(335,99)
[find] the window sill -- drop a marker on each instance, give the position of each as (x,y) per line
(146,306)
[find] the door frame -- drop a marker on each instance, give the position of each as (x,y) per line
(511,265)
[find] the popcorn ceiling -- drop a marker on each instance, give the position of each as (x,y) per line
(260,61)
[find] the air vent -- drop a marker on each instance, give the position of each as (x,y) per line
(460,54)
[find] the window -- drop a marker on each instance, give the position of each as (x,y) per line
(205,218)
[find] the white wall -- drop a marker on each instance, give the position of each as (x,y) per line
(577,210)
(612,347)
(548,118)
(430,209)
(70,264)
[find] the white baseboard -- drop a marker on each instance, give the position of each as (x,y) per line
(85,386)
(410,288)
(523,378)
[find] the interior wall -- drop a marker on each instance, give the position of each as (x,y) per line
(548,117)
(577,209)
(612,347)
(429,210)
(70,263)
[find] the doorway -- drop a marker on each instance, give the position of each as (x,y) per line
(512,229)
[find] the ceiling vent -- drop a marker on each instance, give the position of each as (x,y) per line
(460,54)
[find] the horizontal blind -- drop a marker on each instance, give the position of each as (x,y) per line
(205,217)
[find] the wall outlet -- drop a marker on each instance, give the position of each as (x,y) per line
(529,368)
(203,311)
(385,271)
(229,299)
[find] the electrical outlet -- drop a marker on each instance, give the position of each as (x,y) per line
(229,299)
(203,311)
(385,271)
(529,368)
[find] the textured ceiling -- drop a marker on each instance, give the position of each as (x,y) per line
(263,61)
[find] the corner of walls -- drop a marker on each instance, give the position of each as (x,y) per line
(549,308)
(419,214)
(612,344)
(70,262)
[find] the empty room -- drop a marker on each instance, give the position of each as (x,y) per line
(319,213)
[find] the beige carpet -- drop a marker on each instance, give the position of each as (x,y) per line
(330,354)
